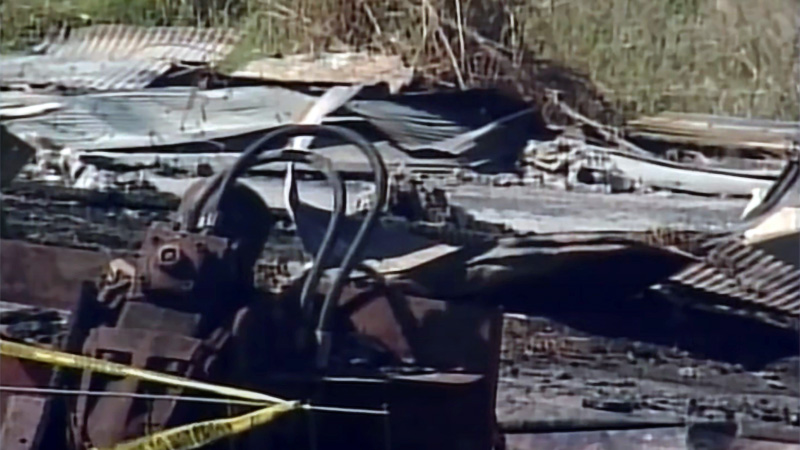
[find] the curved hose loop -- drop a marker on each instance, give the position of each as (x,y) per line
(360,240)
(353,255)
(322,164)
(251,153)
(213,194)
(249,157)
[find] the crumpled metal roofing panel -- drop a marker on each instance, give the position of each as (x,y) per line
(748,276)
(418,120)
(682,177)
(38,70)
(162,117)
(116,57)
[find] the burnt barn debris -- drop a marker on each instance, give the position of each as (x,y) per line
(419,268)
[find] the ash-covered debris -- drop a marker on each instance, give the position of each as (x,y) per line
(32,324)
(490,134)
(429,210)
(58,215)
(590,153)
(541,362)
(577,162)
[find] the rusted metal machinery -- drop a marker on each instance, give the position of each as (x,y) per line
(186,305)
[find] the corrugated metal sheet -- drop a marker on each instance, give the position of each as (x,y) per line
(335,68)
(16,99)
(124,42)
(156,118)
(166,117)
(116,57)
(748,277)
(421,120)
(709,130)
(484,129)
(42,71)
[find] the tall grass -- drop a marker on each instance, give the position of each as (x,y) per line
(718,56)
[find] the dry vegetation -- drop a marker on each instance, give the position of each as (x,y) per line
(719,56)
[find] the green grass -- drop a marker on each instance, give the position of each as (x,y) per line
(718,56)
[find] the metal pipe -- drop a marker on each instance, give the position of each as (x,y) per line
(356,248)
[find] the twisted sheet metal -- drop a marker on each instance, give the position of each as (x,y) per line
(649,170)
(158,118)
(116,57)
(747,276)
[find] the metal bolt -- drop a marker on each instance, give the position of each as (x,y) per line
(168,255)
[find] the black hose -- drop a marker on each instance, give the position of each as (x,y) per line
(322,164)
(249,159)
(357,246)
(381,179)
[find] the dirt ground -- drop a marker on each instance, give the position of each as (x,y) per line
(551,372)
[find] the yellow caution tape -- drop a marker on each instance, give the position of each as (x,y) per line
(198,434)
(62,359)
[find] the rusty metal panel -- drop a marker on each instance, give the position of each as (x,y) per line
(336,68)
(46,276)
(432,333)
(18,373)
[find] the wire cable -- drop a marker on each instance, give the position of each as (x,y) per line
(51,391)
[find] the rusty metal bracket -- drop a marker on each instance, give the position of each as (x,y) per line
(109,420)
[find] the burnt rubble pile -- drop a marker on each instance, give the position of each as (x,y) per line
(128,121)
(32,324)
(528,264)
